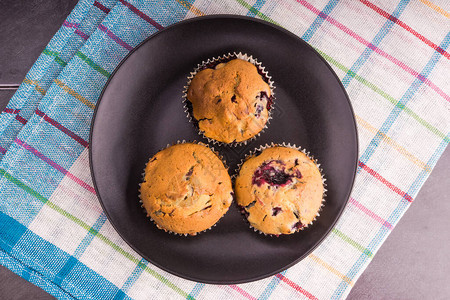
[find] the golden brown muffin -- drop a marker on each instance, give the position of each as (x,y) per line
(186,189)
(230,102)
(280,190)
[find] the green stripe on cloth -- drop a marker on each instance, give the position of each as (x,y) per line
(55,56)
(352,242)
(88,228)
(23,186)
(93,64)
(256,12)
(385,95)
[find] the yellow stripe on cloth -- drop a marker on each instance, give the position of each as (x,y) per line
(36,85)
(331,269)
(191,7)
(436,8)
(393,144)
(74,94)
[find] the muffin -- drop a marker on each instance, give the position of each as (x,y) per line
(186,189)
(230,100)
(280,190)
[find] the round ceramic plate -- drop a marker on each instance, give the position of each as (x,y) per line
(141,111)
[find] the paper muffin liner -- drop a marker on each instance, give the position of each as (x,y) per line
(260,149)
(212,62)
(143,177)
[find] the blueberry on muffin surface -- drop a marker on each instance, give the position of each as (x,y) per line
(280,190)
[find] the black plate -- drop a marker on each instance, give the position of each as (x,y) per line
(141,111)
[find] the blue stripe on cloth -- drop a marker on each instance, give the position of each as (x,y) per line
(119,295)
(10,232)
(271,287)
(420,180)
(131,279)
(70,263)
(319,20)
(37,255)
(90,236)
(26,273)
(45,257)
(257,6)
(393,218)
(196,290)
(375,42)
(402,102)
(33,276)
(90,284)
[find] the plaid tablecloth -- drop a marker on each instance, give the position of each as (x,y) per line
(391,57)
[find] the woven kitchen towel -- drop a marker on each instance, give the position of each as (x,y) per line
(83,20)
(391,56)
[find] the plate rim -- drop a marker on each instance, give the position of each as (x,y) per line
(196,19)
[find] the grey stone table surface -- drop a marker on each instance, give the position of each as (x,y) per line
(414,261)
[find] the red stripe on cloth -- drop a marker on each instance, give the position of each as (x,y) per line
(2,150)
(62,128)
(77,31)
(385,182)
(142,15)
(54,165)
(17,117)
(370,213)
(433,86)
(295,286)
(21,119)
(101,7)
(70,25)
(242,292)
(375,48)
(405,26)
(114,37)
(82,34)
(11,111)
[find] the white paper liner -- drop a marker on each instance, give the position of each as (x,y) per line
(226,58)
(292,146)
(143,177)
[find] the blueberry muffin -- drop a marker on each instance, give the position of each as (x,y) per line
(230,101)
(186,189)
(280,190)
